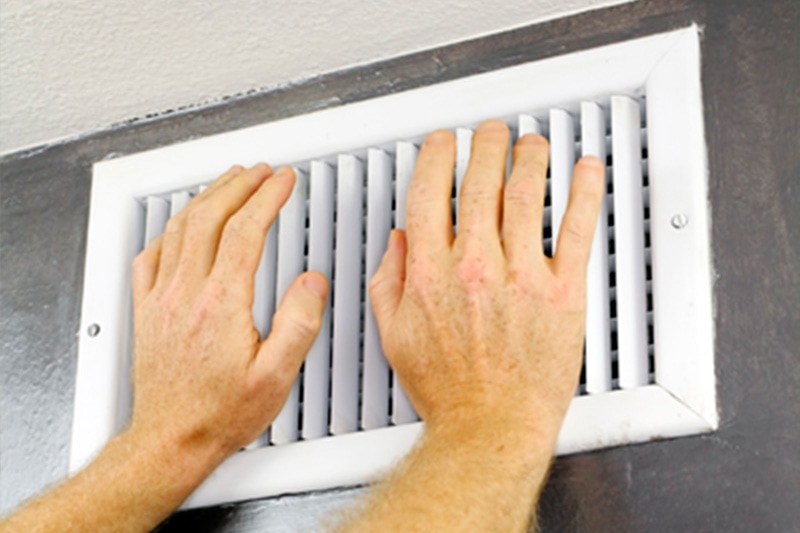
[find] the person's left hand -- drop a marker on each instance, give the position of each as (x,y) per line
(203,379)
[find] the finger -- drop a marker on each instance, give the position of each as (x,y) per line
(231,173)
(386,286)
(145,270)
(523,200)
(294,328)
(580,219)
(479,205)
(242,241)
(173,235)
(429,222)
(206,218)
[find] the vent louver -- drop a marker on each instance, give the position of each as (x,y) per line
(347,418)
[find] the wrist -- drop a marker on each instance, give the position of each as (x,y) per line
(509,458)
(539,427)
(506,439)
(178,466)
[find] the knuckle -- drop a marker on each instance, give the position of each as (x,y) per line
(520,191)
(524,279)
(141,263)
(212,294)
(537,166)
(476,193)
(576,233)
(474,270)
(566,296)
(419,192)
(376,284)
(231,241)
(170,302)
(203,213)
(559,292)
(174,224)
(207,302)
(241,225)
(300,324)
(419,270)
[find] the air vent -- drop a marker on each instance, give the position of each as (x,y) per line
(648,370)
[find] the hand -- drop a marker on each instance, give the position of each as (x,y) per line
(482,326)
(204,382)
(203,379)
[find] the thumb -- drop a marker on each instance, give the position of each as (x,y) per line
(386,286)
(294,328)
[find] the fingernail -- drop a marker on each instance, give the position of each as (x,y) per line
(439,137)
(316,284)
(532,139)
(284,173)
(394,244)
(493,124)
(592,161)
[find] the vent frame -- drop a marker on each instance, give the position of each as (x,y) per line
(663,67)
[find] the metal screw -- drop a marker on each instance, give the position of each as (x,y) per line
(93,330)
(679,221)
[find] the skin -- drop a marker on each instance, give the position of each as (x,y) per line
(205,383)
(484,331)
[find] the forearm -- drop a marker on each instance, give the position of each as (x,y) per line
(477,477)
(205,382)
(132,485)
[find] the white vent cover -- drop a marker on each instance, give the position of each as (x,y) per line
(648,371)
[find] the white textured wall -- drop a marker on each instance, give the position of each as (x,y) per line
(68,67)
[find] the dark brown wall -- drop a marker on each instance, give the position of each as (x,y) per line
(744,477)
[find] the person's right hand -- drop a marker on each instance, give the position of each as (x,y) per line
(482,326)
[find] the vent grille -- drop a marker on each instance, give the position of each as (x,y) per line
(649,357)
(338,219)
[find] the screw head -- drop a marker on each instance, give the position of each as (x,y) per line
(679,221)
(93,330)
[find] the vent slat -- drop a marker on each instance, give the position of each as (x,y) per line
(598,332)
(562,161)
(291,244)
(347,295)
(629,242)
(645,190)
(264,299)
(527,124)
(178,201)
(264,287)
(375,405)
(316,373)
(157,215)
(406,159)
